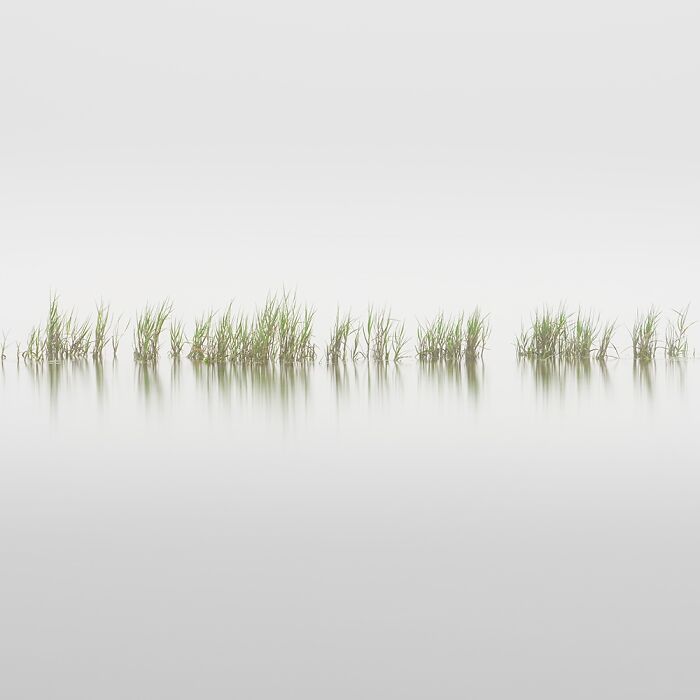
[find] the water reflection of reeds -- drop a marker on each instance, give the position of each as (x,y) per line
(58,377)
(458,377)
(676,371)
(553,376)
(374,380)
(644,372)
(149,382)
(274,384)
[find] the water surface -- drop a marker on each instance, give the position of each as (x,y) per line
(498,530)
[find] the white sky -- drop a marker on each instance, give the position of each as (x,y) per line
(426,155)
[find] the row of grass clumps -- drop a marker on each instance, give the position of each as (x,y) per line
(559,334)
(282,331)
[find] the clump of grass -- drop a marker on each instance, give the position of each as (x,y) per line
(3,347)
(200,338)
(677,335)
(381,342)
(546,338)
(281,331)
(559,334)
(222,347)
(63,337)
(36,344)
(54,331)
(605,342)
(439,339)
(149,327)
(344,328)
(177,338)
(367,333)
(477,332)
(580,336)
(77,337)
(399,341)
(102,327)
(381,338)
(453,339)
(645,341)
(294,331)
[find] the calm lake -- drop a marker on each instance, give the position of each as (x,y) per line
(502,530)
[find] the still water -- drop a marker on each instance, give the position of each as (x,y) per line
(502,530)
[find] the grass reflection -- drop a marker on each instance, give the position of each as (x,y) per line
(460,377)
(553,376)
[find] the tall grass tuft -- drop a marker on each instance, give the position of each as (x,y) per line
(63,337)
(677,335)
(177,338)
(580,337)
(3,347)
(547,336)
(399,341)
(645,341)
(102,327)
(77,337)
(149,326)
(36,346)
(338,348)
(605,342)
(380,338)
(281,331)
(200,338)
(54,331)
(453,339)
(477,332)
(559,334)
(381,342)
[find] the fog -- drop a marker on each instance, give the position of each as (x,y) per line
(397,154)
(495,529)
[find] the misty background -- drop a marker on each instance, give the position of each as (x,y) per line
(425,156)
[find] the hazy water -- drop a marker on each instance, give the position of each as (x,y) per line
(505,530)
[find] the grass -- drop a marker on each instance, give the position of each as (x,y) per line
(282,331)
(383,337)
(102,326)
(677,335)
(453,339)
(605,342)
(559,334)
(581,336)
(148,329)
(379,337)
(177,338)
(645,341)
(338,346)
(546,338)
(63,337)
(200,338)
(117,334)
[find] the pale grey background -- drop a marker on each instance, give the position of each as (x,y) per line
(182,532)
(423,155)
